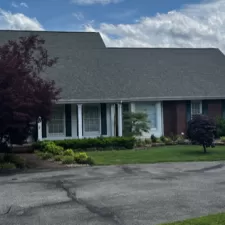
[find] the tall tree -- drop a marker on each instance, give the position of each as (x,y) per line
(24,94)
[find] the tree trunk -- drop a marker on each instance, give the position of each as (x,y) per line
(204,147)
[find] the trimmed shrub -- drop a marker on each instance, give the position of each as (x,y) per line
(7,165)
(98,143)
(222,139)
(87,144)
(69,152)
(68,159)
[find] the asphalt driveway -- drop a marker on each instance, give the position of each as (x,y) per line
(124,195)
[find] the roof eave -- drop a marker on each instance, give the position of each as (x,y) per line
(139,99)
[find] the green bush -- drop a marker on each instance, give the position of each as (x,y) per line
(153,138)
(180,139)
(80,157)
(148,141)
(220,127)
(58,157)
(98,143)
(16,160)
(52,148)
(162,138)
(40,145)
(83,158)
(222,139)
(68,159)
(90,161)
(7,165)
(168,141)
(69,152)
(46,155)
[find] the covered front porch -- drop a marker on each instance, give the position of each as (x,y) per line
(71,121)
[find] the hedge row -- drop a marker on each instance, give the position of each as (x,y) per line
(92,143)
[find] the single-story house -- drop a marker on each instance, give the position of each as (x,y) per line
(99,83)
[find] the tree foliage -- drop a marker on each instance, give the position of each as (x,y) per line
(201,130)
(134,124)
(24,93)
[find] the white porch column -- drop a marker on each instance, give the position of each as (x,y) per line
(112,119)
(80,121)
(120,122)
(39,127)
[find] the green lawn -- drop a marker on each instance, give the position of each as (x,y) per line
(158,154)
(217,219)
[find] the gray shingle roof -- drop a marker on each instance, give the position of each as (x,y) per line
(141,74)
(89,72)
(58,41)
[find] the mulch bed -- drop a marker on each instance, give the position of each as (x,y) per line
(34,162)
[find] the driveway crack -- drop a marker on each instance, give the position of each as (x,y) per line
(103,212)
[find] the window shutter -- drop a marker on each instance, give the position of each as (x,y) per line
(44,131)
(223,109)
(103,119)
(188,110)
(126,107)
(68,120)
(205,107)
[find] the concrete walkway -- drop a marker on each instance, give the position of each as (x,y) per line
(123,195)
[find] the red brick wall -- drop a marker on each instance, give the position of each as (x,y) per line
(181,121)
(215,108)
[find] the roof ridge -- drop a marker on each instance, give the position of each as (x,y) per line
(49,31)
(161,48)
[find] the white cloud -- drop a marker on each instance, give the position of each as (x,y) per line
(14,5)
(196,25)
(24,4)
(78,15)
(18,21)
(92,2)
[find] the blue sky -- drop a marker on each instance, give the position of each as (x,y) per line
(124,23)
(63,14)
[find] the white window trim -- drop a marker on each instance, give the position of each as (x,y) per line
(64,128)
(199,101)
(91,133)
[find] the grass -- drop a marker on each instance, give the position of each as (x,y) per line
(178,153)
(217,219)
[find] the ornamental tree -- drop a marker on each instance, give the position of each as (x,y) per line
(134,124)
(201,130)
(24,93)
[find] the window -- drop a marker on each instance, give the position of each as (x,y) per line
(56,124)
(196,107)
(150,110)
(91,115)
(152,115)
